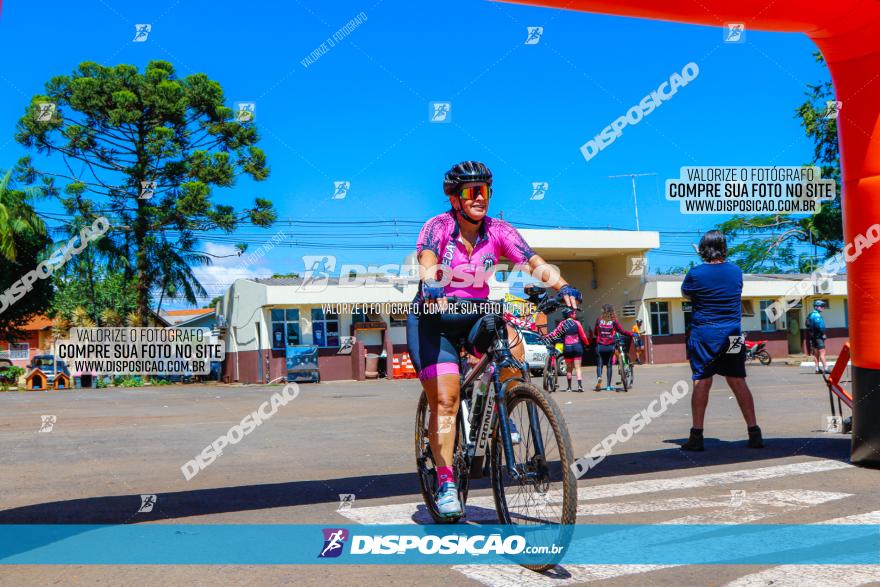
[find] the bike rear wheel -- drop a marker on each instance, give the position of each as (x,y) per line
(551,377)
(426,467)
(546,491)
(764,357)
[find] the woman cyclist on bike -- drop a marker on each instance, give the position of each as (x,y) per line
(575,339)
(606,326)
(468,241)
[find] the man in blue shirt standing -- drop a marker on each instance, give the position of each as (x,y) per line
(715,343)
(816,335)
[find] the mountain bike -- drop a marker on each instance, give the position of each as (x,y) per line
(554,366)
(624,364)
(531,478)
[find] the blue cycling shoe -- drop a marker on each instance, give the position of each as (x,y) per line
(447,500)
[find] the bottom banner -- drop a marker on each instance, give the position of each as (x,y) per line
(167,544)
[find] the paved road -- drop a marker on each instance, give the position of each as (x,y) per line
(108,447)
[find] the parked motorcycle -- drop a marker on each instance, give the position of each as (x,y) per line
(757,350)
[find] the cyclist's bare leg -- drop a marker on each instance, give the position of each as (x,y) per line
(443,399)
(518,350)
(577,369)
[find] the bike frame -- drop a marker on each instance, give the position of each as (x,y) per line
(484,420)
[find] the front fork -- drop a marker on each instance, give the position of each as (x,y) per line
(504,425)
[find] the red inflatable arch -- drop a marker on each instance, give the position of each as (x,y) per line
(848,34)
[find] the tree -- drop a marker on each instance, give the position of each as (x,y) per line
(17,217)
(769,243)
(113,297)
(676,270)
(214,301)
(154,146)
(23,244)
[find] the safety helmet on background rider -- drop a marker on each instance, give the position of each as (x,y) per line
(819,304)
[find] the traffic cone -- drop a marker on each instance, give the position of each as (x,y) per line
(395,366)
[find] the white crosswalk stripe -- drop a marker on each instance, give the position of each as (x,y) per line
(720,508)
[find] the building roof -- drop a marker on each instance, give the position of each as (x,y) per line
(173,317)
(38,322)
(330,280)
(188,312)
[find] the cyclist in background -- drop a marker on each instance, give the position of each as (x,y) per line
(606,326)
(465,239)
(637,340)
(816,331)
(575,340)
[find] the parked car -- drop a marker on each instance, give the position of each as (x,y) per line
(49,366)
(536,350)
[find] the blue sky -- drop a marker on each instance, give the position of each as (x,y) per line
(360,112)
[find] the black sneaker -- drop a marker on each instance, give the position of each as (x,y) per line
(755,438)
(580,387)
(694,442)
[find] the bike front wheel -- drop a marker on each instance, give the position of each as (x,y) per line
(544,489)
(764,357)
(427,469)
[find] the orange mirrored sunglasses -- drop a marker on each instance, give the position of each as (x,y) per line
(474,192)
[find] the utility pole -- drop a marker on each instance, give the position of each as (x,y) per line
(633,177)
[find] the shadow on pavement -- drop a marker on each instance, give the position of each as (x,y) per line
(200,502)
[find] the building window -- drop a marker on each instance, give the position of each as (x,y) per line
(19,350)
(358,317)
(659,318)
(766,324)
(687,309)
(748,309)
(397,319)
(325,328)
(285,328)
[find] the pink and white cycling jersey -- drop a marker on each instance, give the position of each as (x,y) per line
(497,238)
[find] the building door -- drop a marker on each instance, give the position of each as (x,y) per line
(793,319)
